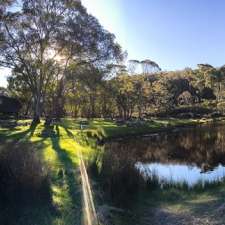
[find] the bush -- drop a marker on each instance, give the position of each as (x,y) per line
(23,176)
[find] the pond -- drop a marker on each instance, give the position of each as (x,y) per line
(190,156)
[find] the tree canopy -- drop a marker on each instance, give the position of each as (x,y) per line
(42,38)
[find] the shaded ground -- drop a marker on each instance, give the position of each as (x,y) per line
(177,207)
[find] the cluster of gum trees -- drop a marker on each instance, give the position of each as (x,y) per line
(65,64)
(135,92)
(45,42)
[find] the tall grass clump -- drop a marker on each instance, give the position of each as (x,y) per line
(23,175)
(123,184)
(119,183)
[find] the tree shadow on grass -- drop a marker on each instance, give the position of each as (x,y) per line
(68,132)
(19,135)
(80,137)
(69,174)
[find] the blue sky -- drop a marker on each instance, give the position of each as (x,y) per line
(174,33)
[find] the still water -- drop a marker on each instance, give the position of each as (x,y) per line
(191,156)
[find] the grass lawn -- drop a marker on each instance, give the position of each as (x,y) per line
(59,146)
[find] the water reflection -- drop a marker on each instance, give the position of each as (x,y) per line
(181,174)
(190,155)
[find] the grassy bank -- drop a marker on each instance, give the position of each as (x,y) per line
(108,129)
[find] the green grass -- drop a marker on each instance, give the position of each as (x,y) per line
(107,129)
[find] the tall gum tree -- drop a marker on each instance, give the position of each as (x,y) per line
(41,38)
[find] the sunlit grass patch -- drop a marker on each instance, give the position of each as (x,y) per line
(50,155)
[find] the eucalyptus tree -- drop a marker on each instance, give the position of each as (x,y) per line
(143,93)
(88,78)
(220,81)
(149,67)
(207,73)
(133,65)
(213,78)
(125,94)
(42,38)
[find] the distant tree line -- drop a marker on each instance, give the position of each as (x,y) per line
(147,93)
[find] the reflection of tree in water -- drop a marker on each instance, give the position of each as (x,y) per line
(203,147)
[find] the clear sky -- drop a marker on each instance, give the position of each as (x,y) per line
(174,33)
